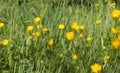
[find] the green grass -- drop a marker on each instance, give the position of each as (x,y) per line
(23,55)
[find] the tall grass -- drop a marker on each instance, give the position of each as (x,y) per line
(24,55)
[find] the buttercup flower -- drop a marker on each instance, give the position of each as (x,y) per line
(30,28)
(105,58)
(30,37)
(74,57)
(81,35)
(113,4)
(37,34)
(70,36)
(36,19)
(109,2)
(5,42)
(39,26)
(115,14)
(119,36)
(81,27)
(75,26)
(51,42)
(116,43)
(98,22)
(1,25)
(89,38)
(61,26)
(45,30)
(97,5)
(96,68)
(114,30)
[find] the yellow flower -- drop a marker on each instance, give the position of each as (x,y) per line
(39,26)
(113,4)
(51,42)
(75,26)
(5,42)
(30,37)
(61,55)
(45,30)
(30,28)
(119,19)
(115,14)
(81,28)
(97,5)
(81,35)
(74,57)
(61,26)
(119,36)
(98,22)
(1,25)
(109,2)
(105,58)
(116,43)
(89,38)
(70,36)
(114,30)
(96,68)
(36,19)
(37,34)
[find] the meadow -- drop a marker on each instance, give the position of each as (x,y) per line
(43,36)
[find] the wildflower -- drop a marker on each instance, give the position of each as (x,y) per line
(105,58)
(51,42)
(116,43)
(37,34)
(89,38)
(97,5)
(5,42)
(119,36)
(61,26)
(36,19)
(96,68)
(1,25)
(113,4)
(30,28)
(98,22)
(30,37)
(115,14)
(70,36)
(109,2)
(75,26)
(81,27)
(81,35)
(45,30)
(114,30)
(61,55)
(74,57)
(39,26)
